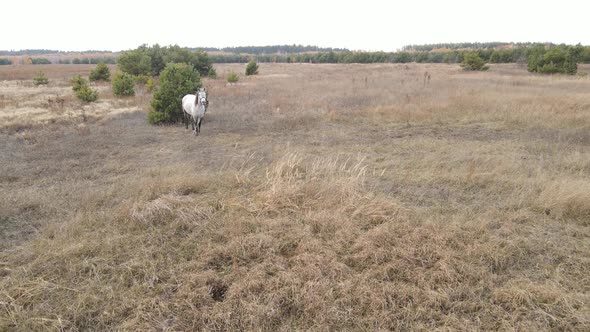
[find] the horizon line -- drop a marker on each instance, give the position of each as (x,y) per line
(339,49)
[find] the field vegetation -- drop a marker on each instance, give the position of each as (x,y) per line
(135,61)
(317,197)
(100,73)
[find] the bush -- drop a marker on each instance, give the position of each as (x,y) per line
(78,82)
(212,72)
(150,84)
(123,84)
(495,57)
(83,90)
(87,94)
(549,68)
(554,60)
(156,54)
(251,68)
(135,62)
(198,60)
(40,79)
(152,60)
(535,58)
(472,61)
(232,77)
(155,117)
(176,81)
(40,61)
(141,79)
(570,66)
(100,73)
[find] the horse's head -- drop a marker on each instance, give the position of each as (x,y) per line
(202,97)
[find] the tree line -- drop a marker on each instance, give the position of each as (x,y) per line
(272,49)
(75,61)
(43,52)
(151,59)
(472,46)
(91,61)
(580,53)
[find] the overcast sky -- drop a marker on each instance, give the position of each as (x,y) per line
(359,25)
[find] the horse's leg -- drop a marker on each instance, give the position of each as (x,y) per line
(185,118)
(193,126)
(199,125)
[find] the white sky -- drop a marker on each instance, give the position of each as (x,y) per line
(362,24)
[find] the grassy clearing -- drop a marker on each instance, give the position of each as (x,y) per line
(323,197)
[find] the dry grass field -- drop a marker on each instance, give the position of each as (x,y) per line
(318,197)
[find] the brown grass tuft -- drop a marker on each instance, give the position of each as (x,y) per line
(568,199)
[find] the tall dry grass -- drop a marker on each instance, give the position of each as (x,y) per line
(318,197)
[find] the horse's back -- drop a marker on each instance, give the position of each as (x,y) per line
(187,101)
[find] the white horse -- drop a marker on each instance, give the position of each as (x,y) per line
(194,108)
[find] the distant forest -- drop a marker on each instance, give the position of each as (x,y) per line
(44,52)
(516,54)
(493,52)
(64,61)
(475,46)
(272,49)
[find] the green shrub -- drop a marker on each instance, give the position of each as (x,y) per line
(78,82)
(86,94)
(176,81)
(549,68)
(40,79)
(555,56)
(141,79)
(400,57)
(135,62)
(155,117)
(570,66)
(83,90)
(251,68)
(199,60)
(212,72)
(150,84)
(152,59)
(156,54)
(100,73)
(232,77)
(535,58)
(555,60)
(495,57)
(472,61)
(123,84)
(40,61)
